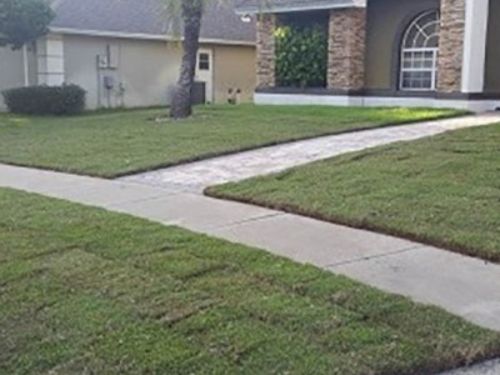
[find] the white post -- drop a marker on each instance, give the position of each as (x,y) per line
(475,38)
(26,66)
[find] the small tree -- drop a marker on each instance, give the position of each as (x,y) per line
(23,21)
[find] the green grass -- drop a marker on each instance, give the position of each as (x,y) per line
(443,190)
(118,143)
(83,290)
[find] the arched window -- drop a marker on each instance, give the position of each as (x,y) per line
(419,53)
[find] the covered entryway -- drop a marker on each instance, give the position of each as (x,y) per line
(386,53)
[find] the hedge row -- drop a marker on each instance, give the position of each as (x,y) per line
(46,100)
(301,56)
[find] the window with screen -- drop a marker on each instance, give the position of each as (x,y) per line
(204,61)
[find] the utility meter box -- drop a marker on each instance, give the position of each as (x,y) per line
(109,82)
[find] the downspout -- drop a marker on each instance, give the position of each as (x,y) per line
(26,66)
(98,76)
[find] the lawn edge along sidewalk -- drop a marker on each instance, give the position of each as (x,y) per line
(234,151)
(66,240)
(425,274)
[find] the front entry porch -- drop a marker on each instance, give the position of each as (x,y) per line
(431,53)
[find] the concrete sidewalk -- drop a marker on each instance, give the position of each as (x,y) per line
(464,286)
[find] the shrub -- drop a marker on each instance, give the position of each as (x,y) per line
(301,56)
(46,100)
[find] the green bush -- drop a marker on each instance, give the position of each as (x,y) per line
(46,100)
(301,56)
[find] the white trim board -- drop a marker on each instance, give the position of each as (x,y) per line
(475,38)
(375,101)
(141,36)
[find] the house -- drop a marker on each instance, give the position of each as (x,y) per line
(432,53)
(127,53)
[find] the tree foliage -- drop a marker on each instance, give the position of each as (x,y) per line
(23,21)
(301,56)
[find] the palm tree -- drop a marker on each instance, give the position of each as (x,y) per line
(192,12)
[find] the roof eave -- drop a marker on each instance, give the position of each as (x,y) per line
(143,36)
(242,10)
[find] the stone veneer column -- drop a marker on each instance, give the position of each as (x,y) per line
(346,49)
(451,46)
(266,51)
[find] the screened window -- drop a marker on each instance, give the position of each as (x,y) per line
(204,61)
(419,53)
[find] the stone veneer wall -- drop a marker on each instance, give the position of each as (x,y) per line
(266,51)
(451,46)
(346,50)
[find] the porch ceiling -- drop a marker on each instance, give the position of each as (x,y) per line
(284,6)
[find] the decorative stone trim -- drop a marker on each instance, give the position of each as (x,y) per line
(451,46)
(346,49)
(266,50)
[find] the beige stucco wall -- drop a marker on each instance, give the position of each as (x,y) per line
(492,79)
(147,69)
(234,68)
(12,69)
(32,65)
(386,19)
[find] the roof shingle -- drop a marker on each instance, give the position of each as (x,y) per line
(148,17)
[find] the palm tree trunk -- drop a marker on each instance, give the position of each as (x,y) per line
(192,11)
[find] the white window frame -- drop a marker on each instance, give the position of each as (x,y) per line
(207,61)
(420,48)
(206,75)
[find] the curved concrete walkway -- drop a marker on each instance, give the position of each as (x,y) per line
(462,285)
(487,368)
(196,176)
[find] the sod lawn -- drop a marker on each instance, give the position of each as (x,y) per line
(443,190)
(123,142)
(83,290)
